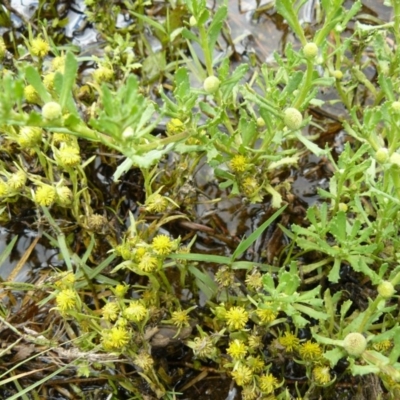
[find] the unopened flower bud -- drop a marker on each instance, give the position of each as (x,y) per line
(192,21)
(355,344)
(211,84)
(386,289)
(382,155)
(292,118)
(51,110)
(64,196)
(310,50)
(343,207)
(260,122)
(337,74)
(396,106)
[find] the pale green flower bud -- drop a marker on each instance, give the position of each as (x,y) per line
(51,110)
(337,74)
(343,207)
(292,118)
(260,122)
(310,50)
(396,106)
(192,21)
(386,289)
(211,84)
(382,155)
(355,344)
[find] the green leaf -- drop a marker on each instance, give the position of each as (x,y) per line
(69,76)
(204,282)
(216,26)
(33,78)
(245,244)
(334,273)
(285,8)
(333,356)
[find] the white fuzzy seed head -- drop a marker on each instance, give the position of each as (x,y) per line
(355,344)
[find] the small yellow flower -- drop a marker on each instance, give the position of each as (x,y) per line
(110,311)
(225,277)
(236,318)
(58,63)
(66,280)
(31,95)
(174,126)
(45,195)
(290,342)
(63,138)
(144,361)
(310,351)
(148,263)
(255,343)
(254,280)
(51,110)
(121,290)
(237,349)
(64,196)
(321,375)
(3,188)
(384,345)
(29,136)
(116,338)
(124,250)
(135,312)
(266,315)
(203,347)
(68,157)
(96,222)
(103,74)
(39,47)
(48,80)
(238,163)
(66,300)
(162,245)
(17,180)
(268,383)
(256,364)
(250,186)
(180,318)
(156,203)
(250,393)
(242,375)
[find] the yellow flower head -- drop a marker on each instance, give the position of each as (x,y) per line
(17,180)
(238,163)
(39,47)
(64,196)
(144,361)
(45,195)
(68,157)
(3,188)
(58,63)
(110,311)
(174,126)
(256,364)
(266,315)
(116,338)
(103,74)
(203,347)
(267,383)
(135,312)
(254,280)
(236,318)
(162,245)
(237,349)
(156,203)
(148,263)
(48,80)
(30,94)
(65,280)
(180,318)
(290,342)
(321,375)
(29,136)
(121,290)
(242,375)
(66,300)
(310,351)
(250,186)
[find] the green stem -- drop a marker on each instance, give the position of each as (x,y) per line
(206,50)
(368,313)
(306,87)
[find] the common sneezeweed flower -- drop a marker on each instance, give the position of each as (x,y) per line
(180,318)
(290,342)
(116,338)
(250,393)
(267,383)
(255,342)
(321,375)
(383,346)
(121,290)
(66,300)
(310,351)
(255,363)
(225,277)
(110,311)
(355,344)
(162,245)
(29,137)
(31,94)
(237,349)
(250,186)
(242,374)
(148,263)
(156,203)
(64,196)
(17,180)
(58,63)
(4,189)
(135,312)
(144,361)
(254,280)
(203,347)
(238,163)
(45,195)
(103,74)
(66,280)
(97,222)
(39,47)
(175,126)
(48,80)
(266,315)
(68,156)
(236,318)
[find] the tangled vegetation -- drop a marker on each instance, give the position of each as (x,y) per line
(121,161)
